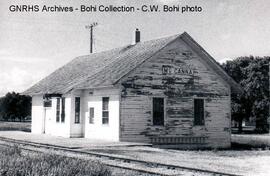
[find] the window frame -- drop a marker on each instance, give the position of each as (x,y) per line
(105,110)
(91,118)
(58,110)
(203,120)
(77,118)
(164,111)
(63,109)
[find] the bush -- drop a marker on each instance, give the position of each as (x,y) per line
(12,162)
(15,126)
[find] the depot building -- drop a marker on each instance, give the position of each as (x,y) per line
(168,92)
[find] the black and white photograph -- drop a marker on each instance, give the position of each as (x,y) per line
(134,88)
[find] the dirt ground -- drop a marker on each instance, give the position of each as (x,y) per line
(244,162)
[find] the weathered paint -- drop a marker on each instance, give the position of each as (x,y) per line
(190,77)
(176,73)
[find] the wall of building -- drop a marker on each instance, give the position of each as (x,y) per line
(93,98)
(58,128)
(192,78)
(37,114)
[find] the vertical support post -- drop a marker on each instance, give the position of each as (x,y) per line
(91,39)
(91,34)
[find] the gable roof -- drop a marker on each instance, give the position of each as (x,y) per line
(106,68)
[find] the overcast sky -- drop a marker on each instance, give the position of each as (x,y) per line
(33,44)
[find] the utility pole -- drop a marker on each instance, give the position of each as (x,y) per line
(91,34)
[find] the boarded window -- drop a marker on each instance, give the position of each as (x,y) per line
(91,115)
(158,111)
(77,109)
(63,110)
(57,109)
(198,111)
(105,110)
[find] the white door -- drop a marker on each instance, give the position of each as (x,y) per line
(44,121)
(48,120)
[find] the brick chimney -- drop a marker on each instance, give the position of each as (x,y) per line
(137,36)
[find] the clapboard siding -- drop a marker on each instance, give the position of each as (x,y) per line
(179,90)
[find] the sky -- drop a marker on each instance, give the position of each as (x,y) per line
(34,44)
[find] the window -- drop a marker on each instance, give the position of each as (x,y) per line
(105,110)
(158,111)
(63,110)
(57,109)
(198,111)
(77,109)
(91,115)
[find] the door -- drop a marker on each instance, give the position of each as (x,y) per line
(48,122)
(47,104)
(89,120)
(44,121)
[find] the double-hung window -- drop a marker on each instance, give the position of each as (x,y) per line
(158,111)
(198,111)
(105,110)
(77,109)
(57,109)
(63,110)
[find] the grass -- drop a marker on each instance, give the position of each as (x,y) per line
(251,140)
(13,162)
(15,126)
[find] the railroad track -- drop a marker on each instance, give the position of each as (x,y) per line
(153,168)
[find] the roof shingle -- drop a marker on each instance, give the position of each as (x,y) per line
(98,69)
(106,68)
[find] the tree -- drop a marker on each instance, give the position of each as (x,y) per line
(14,105)
(252,73)
(257,88)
